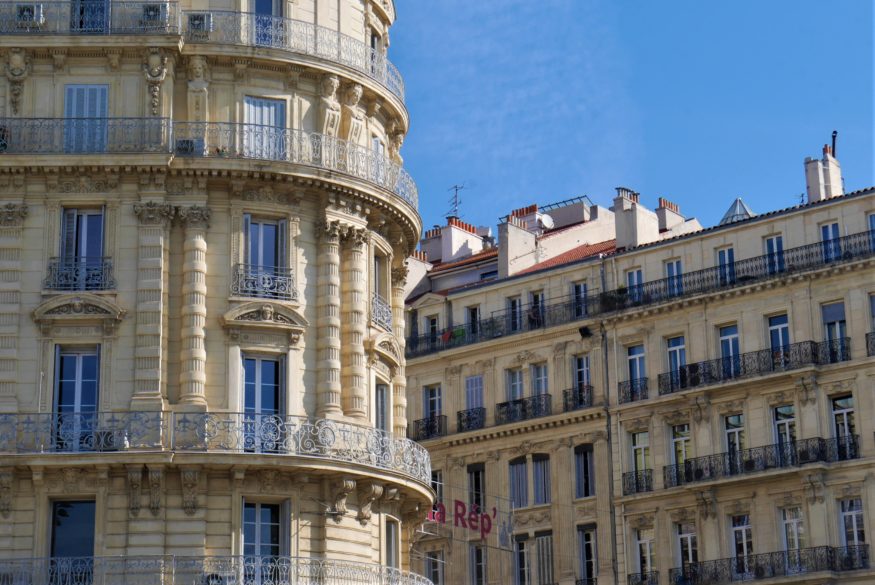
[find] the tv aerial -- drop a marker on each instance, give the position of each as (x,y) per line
(455,201)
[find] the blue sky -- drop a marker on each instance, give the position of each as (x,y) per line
(527,101)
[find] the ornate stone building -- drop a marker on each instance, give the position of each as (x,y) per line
(202,241)
(657,402)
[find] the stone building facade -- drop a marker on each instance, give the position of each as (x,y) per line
(204,222)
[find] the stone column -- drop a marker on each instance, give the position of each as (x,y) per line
(328,321)
(399,381)
(192,374)
(604,478)
(154,218)
(12,216)
(354,323)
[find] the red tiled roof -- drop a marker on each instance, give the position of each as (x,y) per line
(573,255)
(472,259)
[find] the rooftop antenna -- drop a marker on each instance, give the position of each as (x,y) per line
(455,200)
(835,133)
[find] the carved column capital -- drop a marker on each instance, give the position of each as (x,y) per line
(197,216)
(154,213)
(13,214)
(399,275)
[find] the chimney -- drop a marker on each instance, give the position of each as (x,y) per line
(823,177)
(668,214)
(633,223)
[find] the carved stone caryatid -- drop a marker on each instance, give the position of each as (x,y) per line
(192,375)
(198,89)
(396,141)
(329,107)
(328,323)
(354,322)
(353,118)
(399,381)
(13,214)
(155,70)
(17,70)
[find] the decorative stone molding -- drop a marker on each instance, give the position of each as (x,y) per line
(113,58)
(70,477)
(262,316)
(399,275)
(850,490)
(367,494)
(189,478)
(637,425)
(790,499)
(198,89)
(154,213)
(525,357)
(739,507)
(356,238)
(524,448)
(13,214)
(596,437)
(156,478)
(458,462)
(677,417)
(642,522)
(353,119)
(267,480)
(586,510)
(59,59)
(76,310)
(806,389)
(155,70)
(264,194)
(384,347)
(682,515)
(730,407)
(814,487)
(779,398)
(7,478)
(534,518)
(135,483)
(194,216)
(706,503)
(391,494)
(82,183)
(841,386)
(493,455)
(701,409)
(17,70)
(341,491)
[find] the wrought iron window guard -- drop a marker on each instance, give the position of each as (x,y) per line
(381,312)
(755,363)
(587,581)
(155,17)
(707,280)
(429,428)
(256,141)
(69,432)
(523,409)
(636,482)
(295,36)
(84,135)
(201,570)
(471,419)
(632,390)
(648,578)
(265,282)
(577,398)
(757,459)
(79,273)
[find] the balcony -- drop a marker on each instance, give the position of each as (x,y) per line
(429,428)
(79,274)
(587,581)
(295,36)
(755,363)
(255,141)
(577,398)
(637,482)
(649,578)
(870,344)
(84,136)
(789,563)
(567,310)
(264,282)
(632,390)
(213,570)
(381,312)
(523,409)
(747,461)
(158,17)
(471,419)
(224,432)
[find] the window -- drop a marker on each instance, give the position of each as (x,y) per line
(774,246)
(688,547)
(381,407)
(76,398)
(434,566)
(872,298)
(635,284)
(265,26)
(586,552)
(677,359)
(521,561)
(431,402)
(477,564)
(832,245)
(584,472)
(680,443)
(834,331)
(81,265)
(514,314)
(473,316)
(266,270)
(379,150)
(674,278)
(473,392)
(536,309)
(514,384)
(264,128)
(544,550)
(73,529)
(742,539)
(539,379)
(726,266)
(872,231)
(476,486)
(437,484)
(641,451)
(644,541)
(519,492)
(730,352)
(785,433)
(637,365)
(392,544)
(541,473)
(844,426)
(779,339)
(793,529)
(734,432)
(431,327)
(578,298)
(86,109)
(851,520)
(581,372)
(263,403)
(263,531)
(489,275)
(380,276)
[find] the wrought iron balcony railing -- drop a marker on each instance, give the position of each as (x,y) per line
(471,419)
(636,482)
(79,273)
(632,390)
(649,578)
(294,36)
(523,409)
(75,17)
(255,141)
(870,344)
(69,432)
(212,570)
(777,456)
(577,398)
(264,282)
(786,563)
(587,581)
(567,309)
(755,363)
(381,312)
(430,427)
(84,135)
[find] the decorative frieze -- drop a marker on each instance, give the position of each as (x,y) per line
(13,214)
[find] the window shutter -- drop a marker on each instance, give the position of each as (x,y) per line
(286,528)
(57,384)
(68,234)
(247,244)
(283,390)
(101,219)
(282,244)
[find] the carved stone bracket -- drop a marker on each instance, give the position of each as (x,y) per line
(367,494)
(17,70)
(13,214)
(156,477)
(706,502)
(806,389)
(701,409)
(155,70)
(7,478)
(190,479)
(154,213)
(341,491)
(135,483)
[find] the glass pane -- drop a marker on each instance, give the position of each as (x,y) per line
(73,529)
